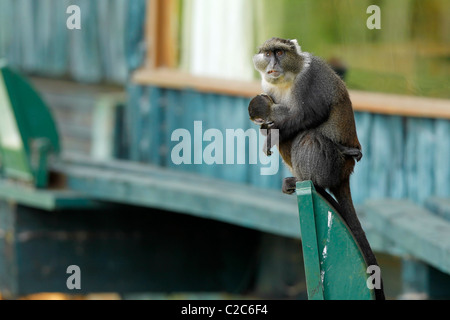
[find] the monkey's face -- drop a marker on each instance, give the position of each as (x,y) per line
(278,60)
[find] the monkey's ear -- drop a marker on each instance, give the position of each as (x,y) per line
(297,46)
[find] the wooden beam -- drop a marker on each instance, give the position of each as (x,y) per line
(182,192)
(189,193)
(150,33)
(174,79)
(45,199)
(381,103)
(161,34)
(439,206)
(394,104)
(413,228)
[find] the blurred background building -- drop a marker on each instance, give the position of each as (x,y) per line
(137,70)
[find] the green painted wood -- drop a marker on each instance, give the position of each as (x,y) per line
(413,228)
(123,249)
(333,260)
(314,280)
(27,130)
(14,158)
(49,200)
(188,193)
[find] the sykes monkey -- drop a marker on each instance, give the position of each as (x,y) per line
(310,106)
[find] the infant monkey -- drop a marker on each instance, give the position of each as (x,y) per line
(259,112)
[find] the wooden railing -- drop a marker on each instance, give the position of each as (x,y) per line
(380,103)
(160,70)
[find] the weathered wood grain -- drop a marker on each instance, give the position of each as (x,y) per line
(50,200)
(413,229)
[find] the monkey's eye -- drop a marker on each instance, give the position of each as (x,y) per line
(268,53)
(279,53)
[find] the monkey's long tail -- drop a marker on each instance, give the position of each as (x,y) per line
(348,213)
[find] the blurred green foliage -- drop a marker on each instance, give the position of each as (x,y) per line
(409,55)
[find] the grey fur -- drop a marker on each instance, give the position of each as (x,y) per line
(312,110)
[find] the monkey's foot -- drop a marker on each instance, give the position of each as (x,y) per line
(289,185)
(352,152)
(355,153)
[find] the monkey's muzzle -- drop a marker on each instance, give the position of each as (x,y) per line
(274,73)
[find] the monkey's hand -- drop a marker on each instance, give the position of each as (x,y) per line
(259,109)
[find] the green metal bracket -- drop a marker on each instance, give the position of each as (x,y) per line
(28,133)
(334,265)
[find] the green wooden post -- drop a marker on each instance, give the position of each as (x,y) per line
(309,241)
(334,265)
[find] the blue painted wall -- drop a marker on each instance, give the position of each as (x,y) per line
(403,157)
(34,38)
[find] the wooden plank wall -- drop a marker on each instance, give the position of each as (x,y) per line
(88,117)
(404,157)
(34,37)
